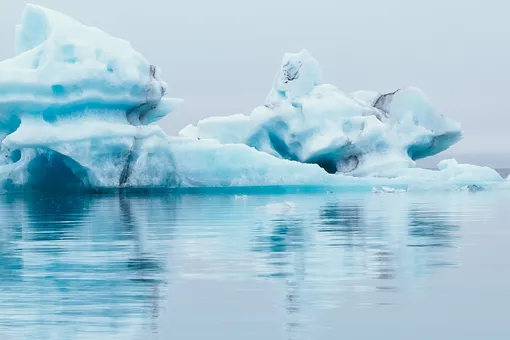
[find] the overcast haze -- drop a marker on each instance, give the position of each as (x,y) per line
(221,56)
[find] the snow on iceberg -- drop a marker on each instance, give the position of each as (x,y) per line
(77,107)
(363,133)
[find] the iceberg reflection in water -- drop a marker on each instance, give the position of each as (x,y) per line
(289,266)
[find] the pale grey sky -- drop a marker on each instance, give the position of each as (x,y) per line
(221,56)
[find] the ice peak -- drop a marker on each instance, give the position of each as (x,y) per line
(361,133)
(33,30)
(298,75)
(64,66)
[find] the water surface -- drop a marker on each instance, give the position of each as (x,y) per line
(308,266)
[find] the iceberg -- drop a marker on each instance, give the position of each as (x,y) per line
(78,109)
(211,164)
(76,106)
(362,133)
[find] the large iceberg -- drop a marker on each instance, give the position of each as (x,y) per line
(363,133)
(77,108)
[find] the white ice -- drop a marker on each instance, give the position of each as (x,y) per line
(363,133)
(74,104)
(77,108)
(208,163)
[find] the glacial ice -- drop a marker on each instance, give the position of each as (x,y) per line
(77,108)
(75,104)
(208,163)
(363,133)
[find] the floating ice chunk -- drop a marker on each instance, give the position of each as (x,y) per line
(74,108)
(387,189)
(471,188)
(310,122)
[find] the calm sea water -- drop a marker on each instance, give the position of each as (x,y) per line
(221,267)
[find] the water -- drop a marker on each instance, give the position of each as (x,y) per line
(309,266)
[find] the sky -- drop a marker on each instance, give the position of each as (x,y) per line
(221,56)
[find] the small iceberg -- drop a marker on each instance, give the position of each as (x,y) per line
(387,190)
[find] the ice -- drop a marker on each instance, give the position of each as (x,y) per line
(471,188)
(77,102)
(388,190)
(211,164)
(360,133)
(77,111)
